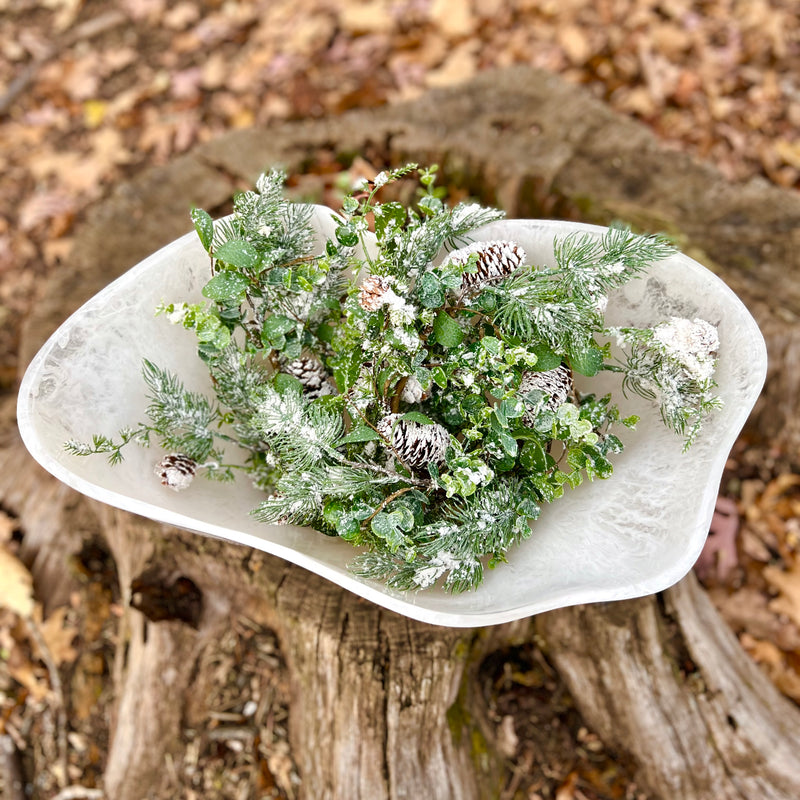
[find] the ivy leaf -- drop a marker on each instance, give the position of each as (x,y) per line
(204,226)
(347,235)
(416,416)
(278,325)
(238,253)
(386,526)
(345,368)
(391,215)
(587,362)
(546,359)
(533,457)
(431,294)
(508,442)
(360,434)
(439,377)
(226,286)
(287,383)
(491,344)
(447,331)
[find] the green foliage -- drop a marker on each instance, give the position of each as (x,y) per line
(310,350)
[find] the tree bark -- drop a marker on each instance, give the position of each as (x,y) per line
(674,689)
(381,706)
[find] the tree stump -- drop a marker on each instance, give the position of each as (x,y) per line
(382,706)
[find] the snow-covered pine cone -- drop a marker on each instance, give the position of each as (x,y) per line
(370,296)
(555,383)
(412,390)
(496,260)
(311,374)
(176,471)
(416,445)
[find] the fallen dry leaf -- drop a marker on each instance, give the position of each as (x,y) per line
(461,64)
(788,583)
(454,18)
(45,206)
(719,556)
(59,637)
(17,584)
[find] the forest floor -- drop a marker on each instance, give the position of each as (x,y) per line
(93,92)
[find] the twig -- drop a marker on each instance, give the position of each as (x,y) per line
(58,691)
(11,769)
(386,503)
(80,793)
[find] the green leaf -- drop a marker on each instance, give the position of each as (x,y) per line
(204,226)
(345,366)
(348,526)
(325,332)
(546,359)
(587,362)
(349,205)
(512,408)
(212,332)
(403,517)
(491,344)
(284,383)
(533,457)
(226,286)
(389,215)
(416,416)
(278,325)
(346,235)
(359,434)
(439,376)
(447,331)
(238,253)
(431,294)
(387,528)
(508,442)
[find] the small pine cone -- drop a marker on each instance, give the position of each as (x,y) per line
(371,294)
(412,391)
(311,374)
(555,383)
(176,471)
(415,444)
(496,260)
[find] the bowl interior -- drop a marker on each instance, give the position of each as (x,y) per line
(634,534)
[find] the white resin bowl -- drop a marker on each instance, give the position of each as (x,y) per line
(634,534)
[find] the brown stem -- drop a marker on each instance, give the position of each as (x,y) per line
(398,393)
(386,503)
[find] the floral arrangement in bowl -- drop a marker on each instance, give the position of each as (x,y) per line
(412,387)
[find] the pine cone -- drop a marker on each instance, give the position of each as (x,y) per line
(311,374)
(496,260)
(555,383)
(176,471)
(412,390)
(416,445)
(370,296)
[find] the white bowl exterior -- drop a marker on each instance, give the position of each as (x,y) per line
(634,534)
